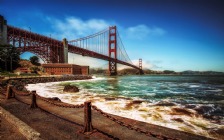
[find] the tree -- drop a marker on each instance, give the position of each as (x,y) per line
(3,57)
(9,57)
(168,72)
(35,60)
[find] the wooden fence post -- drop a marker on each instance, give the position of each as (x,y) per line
(88,117)
(9,92)
(33,102)
(12,93)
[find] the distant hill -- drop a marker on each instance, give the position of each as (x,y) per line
(99,71)
(130,71)
(190,72)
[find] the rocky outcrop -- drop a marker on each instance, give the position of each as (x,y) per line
(55,99)
(69,88)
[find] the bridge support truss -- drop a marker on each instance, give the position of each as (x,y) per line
(105,45)
(48,49)
(113,50)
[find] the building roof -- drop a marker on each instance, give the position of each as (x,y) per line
(60,65)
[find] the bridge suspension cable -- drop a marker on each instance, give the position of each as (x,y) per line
(106,45)
(122,54)
(98,43)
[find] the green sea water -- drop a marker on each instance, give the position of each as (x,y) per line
(180,89)
(193,104)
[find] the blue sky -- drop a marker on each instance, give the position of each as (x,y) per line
(167,34)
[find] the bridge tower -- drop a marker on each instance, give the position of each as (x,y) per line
(140,67)
(113,50)
(3,30)
(140,63)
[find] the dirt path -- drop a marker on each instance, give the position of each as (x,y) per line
(8,132)
(48,125)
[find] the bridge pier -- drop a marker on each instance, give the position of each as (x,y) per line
(65,50)
(113,50)
(112,68)
(3,30)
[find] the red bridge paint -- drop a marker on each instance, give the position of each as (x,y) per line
(52,50)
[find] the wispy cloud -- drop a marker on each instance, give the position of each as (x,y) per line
(142,31)
(145,65)
(87,61)
(73,28)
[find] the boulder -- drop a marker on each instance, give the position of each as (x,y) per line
(55,99)
(165,103)
(69,88)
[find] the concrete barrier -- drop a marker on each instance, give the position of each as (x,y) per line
(28,132)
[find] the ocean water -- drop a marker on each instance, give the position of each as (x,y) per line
(193,104)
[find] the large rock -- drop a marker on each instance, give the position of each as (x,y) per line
(55,99)
(69,88)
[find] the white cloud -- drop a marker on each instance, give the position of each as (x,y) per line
(145,65)
(73,28)
(87,61)
(142,31)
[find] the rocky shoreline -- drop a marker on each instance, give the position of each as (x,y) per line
(163,130)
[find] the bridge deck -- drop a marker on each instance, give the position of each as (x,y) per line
(52,50)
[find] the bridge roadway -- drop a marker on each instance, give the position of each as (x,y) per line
(47,41)
(107,126)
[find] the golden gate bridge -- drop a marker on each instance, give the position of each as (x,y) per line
(106,45)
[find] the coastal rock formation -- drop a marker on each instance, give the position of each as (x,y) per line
(165,103)
(55,99)
(69,88)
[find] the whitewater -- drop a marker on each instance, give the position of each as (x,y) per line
(193,104)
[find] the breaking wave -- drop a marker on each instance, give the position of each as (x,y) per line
(180,102)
